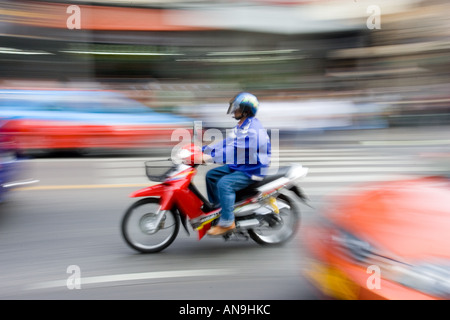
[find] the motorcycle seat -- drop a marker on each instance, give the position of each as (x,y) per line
(281,172)
(251,189)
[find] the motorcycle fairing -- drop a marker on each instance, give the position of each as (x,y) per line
(174,191)
(160,190)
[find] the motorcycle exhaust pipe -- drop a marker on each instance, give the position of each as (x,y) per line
(246,224)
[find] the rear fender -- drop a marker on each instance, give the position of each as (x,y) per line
(299,192)
(161,191)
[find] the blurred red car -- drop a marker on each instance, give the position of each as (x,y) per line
(387,241)
(48,120)
(9,166)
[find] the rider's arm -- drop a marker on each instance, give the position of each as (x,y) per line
(215,153)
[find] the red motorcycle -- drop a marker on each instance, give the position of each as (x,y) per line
(267,211)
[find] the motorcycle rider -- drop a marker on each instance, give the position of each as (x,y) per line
(245,153)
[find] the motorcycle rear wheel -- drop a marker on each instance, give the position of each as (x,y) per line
(284,230)
(139,230)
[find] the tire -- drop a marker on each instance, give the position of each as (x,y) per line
(284,231)
(137,233)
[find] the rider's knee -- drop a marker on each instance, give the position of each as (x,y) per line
(224,183)
(210,175)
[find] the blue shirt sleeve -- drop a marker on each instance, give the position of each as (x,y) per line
(247,145)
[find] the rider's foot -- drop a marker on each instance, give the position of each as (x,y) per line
(219,230)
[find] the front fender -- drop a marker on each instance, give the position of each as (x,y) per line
(159,190)
(153,191)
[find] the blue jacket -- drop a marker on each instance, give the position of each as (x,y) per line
(246,148)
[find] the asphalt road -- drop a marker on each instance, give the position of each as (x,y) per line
(48,231)
(68,224)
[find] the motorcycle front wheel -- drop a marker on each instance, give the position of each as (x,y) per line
(139,227)
(283,230)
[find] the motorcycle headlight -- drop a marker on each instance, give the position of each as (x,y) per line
(432,278)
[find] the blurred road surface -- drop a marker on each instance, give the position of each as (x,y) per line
(71,218)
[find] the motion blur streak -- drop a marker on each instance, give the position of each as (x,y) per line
(328,65)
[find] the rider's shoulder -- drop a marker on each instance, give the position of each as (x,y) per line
(255,123)
(252,124)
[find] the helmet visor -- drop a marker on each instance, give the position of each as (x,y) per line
(232,108)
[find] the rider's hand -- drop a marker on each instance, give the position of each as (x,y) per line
(206,159)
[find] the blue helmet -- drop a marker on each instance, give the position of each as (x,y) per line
(246,102)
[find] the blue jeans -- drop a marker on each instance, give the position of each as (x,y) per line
(221,185)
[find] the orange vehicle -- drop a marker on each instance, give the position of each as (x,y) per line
(387,241)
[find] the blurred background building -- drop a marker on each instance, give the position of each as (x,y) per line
(388,59)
